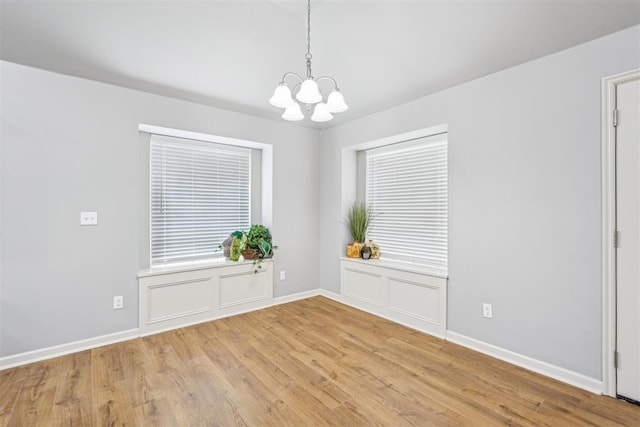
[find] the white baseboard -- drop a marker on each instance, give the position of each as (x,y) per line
(561,374)
(351,302)
(87,344)
(544,368)
(235,312)
(64,349)
(331,295)
(295,297)
(547,369)
(308,294)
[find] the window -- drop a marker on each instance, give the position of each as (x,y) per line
(406,187)
(200,192)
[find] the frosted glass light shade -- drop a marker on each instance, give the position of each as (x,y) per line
(321,113)
(293,113)
(309,92)
(335,102)
(281,97)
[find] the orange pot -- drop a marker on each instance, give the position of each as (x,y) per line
(353,250)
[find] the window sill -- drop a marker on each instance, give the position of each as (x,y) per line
(401,266)
(192,266)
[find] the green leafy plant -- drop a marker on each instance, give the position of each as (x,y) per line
(359,217)
(259,242)
(259,239)
(255,245)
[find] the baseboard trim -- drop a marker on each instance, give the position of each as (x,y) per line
(309,294)
(331,295)
(354,303)
(208,319)
(64,349)
(73,347)
(295,297)
(561,374)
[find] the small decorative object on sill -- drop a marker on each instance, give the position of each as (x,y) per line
(353,250)
(375,250)
(365,253)
(226,246)
(234,250)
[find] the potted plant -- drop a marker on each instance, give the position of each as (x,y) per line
(255,245)
(359,217)
(258,245)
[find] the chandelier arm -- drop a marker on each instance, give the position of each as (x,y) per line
(295,89)
(291,74)
(335,84)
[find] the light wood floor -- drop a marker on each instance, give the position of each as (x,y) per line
(310,362)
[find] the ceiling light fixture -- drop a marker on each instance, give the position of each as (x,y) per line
(307,91)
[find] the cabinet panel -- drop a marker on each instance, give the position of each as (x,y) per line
(364,285)
(239,288)
(178,299)
(172,299)
(415,299)
(411,297)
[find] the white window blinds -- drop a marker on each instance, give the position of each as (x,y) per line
(200,192)
(406,187)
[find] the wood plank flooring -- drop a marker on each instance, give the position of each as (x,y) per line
(312,362)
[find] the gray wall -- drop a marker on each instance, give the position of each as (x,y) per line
(524,149)
(70,145)
(524,171)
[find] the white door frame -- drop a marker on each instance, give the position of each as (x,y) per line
(608,170)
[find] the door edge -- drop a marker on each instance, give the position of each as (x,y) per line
(608,170)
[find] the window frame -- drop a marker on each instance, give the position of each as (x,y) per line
(262,188)
(400,143)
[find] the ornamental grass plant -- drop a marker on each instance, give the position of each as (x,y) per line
(359,217)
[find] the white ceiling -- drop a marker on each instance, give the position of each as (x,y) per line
(232,54)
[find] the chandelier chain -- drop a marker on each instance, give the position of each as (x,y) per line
(308,55)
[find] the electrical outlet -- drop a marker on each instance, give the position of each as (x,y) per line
(118,302)
(88,218)
(283,275)
(487,310)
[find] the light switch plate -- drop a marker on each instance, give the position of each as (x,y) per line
(88,218)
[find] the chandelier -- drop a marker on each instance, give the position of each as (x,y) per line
(307,91)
